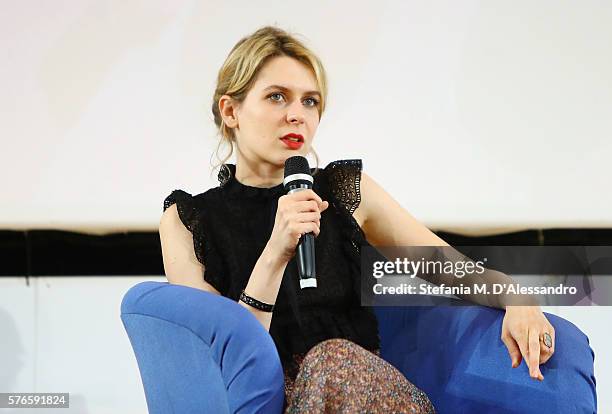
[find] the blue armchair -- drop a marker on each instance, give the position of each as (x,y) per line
(202,353)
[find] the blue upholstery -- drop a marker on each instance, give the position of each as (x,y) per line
(455,354)
(202,353)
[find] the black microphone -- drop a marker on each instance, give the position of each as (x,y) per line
(298,178)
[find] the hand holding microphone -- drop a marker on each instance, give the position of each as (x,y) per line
(297,221)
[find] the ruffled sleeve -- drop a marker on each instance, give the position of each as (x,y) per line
(190,214)
(343,181)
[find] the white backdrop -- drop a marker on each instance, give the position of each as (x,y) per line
(475,116)
(498,113)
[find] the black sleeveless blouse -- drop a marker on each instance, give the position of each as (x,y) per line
(231,225)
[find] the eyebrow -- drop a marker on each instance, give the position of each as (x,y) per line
(285,89)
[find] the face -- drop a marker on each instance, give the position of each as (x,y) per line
(284,99)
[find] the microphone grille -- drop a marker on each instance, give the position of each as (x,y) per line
(296,165)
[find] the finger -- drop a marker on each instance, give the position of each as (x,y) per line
(534,355)
(308,227)
(513,350)
(521,341)
(318,199)
(308,217)
(547,352)
(552,336)
(307,194)
(314,229)
(306,206)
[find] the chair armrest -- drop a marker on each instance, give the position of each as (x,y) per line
(201,352)
(455,354)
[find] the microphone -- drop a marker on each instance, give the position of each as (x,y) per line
(298,178)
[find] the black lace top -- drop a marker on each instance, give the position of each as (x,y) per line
(231,225)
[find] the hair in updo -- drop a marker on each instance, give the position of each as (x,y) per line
(241,67)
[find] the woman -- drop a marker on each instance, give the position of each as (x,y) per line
(242,236)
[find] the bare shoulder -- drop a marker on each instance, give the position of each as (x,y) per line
(386,223)
(181,264)
(358,216)
(176,239)
(171,223)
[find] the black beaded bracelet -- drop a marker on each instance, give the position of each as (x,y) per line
(266,307)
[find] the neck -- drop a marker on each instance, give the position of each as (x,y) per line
(259,175)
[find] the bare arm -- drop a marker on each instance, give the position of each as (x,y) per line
(183,268)
(264,284)
(180,262)
(387,223)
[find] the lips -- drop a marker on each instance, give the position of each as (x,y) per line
(295,137)
(293,141)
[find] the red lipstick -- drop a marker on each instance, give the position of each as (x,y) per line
(293,141)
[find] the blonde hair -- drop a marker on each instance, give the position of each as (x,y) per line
(241,67)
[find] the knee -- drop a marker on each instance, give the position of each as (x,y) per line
(332,348)
(334,343)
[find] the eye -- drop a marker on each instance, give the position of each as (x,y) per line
(314,101)
(275,94)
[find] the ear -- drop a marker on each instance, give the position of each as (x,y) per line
(228,109)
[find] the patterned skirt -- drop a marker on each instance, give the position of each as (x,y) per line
(339,376)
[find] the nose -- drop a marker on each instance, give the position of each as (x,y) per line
(295,115)
(295,118)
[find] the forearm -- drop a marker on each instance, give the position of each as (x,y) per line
(264,283)
(488,279)
(485,280)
